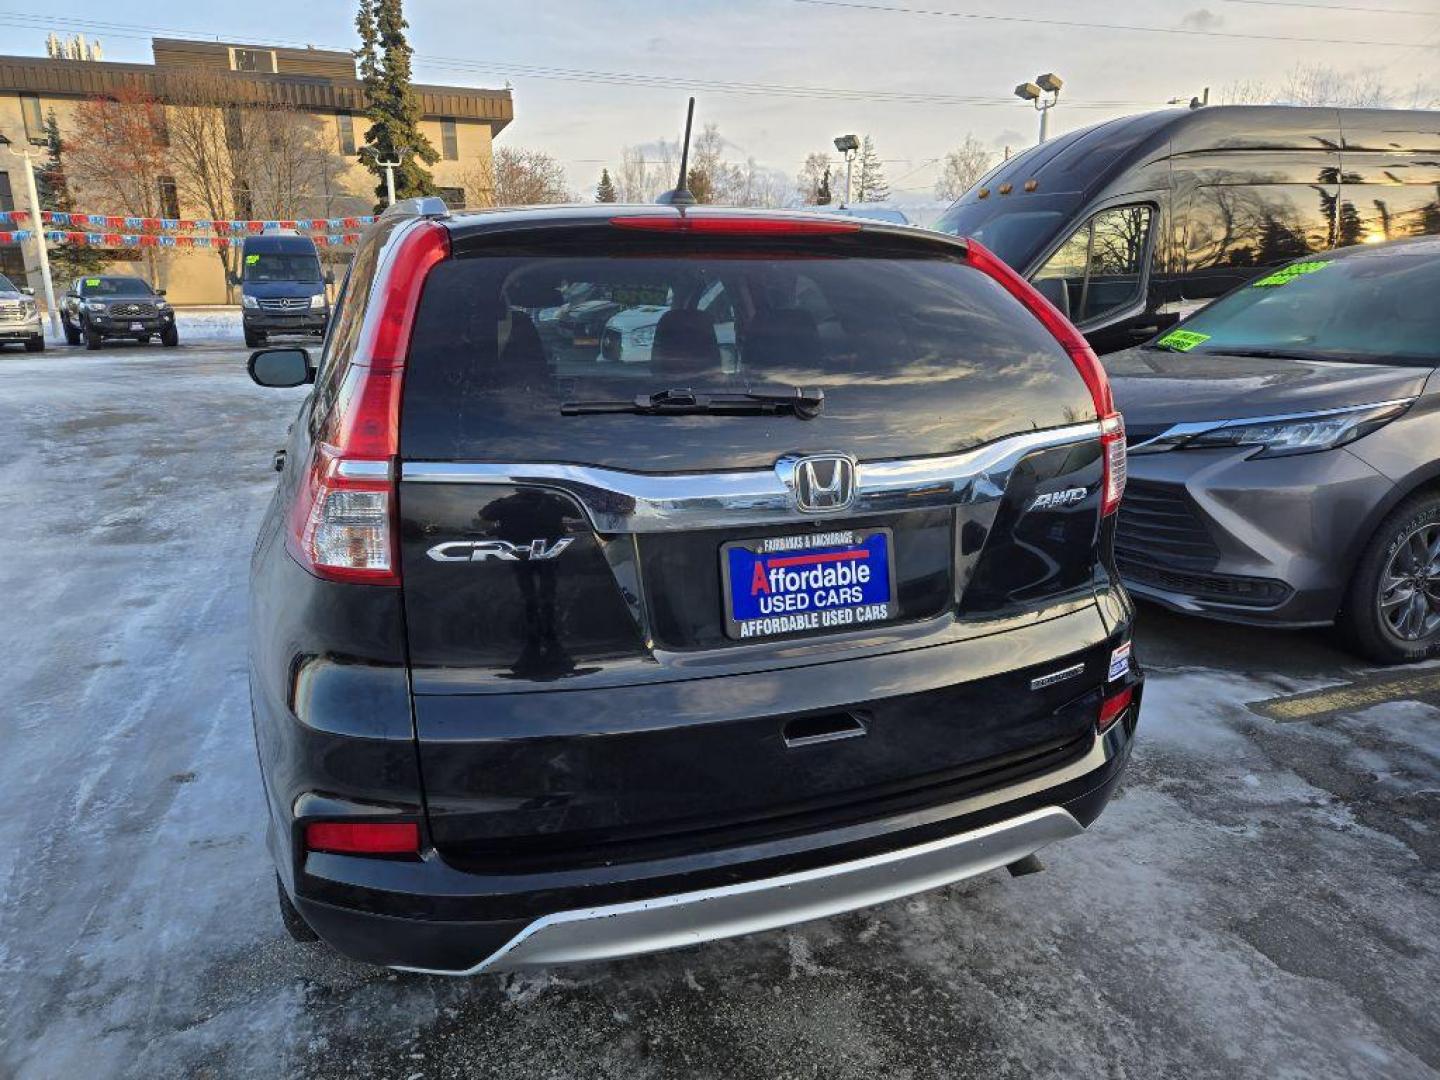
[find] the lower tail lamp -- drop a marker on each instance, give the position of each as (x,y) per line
(363,837)
(1113,708)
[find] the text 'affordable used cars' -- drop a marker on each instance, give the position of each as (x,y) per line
(638,577)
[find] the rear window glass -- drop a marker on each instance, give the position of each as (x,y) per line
(896,343)
(579,327)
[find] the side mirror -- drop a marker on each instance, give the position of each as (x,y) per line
(27,290)
(1056,291)
(280,368)
(159,292)
(329,277)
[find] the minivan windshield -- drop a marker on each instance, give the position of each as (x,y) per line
(1369,305)
(1013,235)
(115,286)
(278,266)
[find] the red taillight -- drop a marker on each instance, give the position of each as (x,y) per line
(1112,708)
(342,524)
(1112,425)
(363,838)
(725,225)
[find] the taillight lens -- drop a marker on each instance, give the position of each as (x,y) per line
(342,525)
(735,225)
(1112,424)
(363,837)
(1112,708)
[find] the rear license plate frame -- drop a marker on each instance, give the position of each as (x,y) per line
(812,620)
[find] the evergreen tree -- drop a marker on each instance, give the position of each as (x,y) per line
(870,185)
(391,103)
(822,190)
(605,190)
(67,261)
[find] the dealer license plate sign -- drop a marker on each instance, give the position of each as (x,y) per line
(781,585)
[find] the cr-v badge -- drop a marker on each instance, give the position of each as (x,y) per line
(480,550)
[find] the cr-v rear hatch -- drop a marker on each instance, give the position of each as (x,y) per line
(659,477)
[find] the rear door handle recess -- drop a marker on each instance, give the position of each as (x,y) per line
(827,727)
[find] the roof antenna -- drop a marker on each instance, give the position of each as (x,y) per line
(681,195)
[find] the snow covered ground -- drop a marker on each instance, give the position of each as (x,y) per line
(1261,900)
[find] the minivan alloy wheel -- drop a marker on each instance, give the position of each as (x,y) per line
(1409,592)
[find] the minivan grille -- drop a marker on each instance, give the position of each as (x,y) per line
(1159,527)
(285,304)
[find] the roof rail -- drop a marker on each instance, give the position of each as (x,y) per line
(426,206)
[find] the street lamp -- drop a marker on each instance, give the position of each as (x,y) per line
(847,145)
(1043,93)
(389,166)
(44,255)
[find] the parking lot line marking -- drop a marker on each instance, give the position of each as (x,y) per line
(1352,697)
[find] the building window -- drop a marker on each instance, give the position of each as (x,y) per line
(169,197)
(449,143)
(7,199)
(34,120)
(454,196)
(262,60)
(345,125)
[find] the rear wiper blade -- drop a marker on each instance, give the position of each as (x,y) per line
(806,404)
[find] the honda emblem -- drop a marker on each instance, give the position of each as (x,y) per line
(822,483)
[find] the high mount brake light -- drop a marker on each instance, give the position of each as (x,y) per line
(796,225)
(342,526)
(1112,424)
(363,837)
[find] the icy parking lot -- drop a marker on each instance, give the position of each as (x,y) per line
(1262,898)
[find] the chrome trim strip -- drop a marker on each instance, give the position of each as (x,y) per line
(668,922)
(1177,434)
(354,469)
(626,502)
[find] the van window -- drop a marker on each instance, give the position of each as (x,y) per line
(1234,231)
(1103,262)
(282,266)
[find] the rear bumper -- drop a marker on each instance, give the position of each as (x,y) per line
(1279,533)
(837,871)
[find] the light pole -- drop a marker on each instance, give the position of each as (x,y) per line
(1043,93)
(389,166)
(39,228)
(847,145)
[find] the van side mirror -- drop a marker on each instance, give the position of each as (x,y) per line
(1056,291)
(280,368)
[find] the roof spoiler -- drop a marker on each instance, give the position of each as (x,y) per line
(423,206)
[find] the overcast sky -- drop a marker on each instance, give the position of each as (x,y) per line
(839,46)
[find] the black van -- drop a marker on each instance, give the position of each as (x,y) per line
(282,287)
(1128,224)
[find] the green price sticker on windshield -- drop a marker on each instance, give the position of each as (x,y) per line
(92,281)
(1182,340)
(1288,274)
(251,260)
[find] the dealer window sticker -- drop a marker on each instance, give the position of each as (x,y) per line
(1288,274)
(92,281)
(251,260)
(1182,340)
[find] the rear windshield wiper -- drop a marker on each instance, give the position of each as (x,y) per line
(806,404)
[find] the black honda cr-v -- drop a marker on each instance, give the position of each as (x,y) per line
(795,596)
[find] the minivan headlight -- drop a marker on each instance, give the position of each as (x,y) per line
(317,302)
(1303,433)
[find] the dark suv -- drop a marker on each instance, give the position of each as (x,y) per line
(558,658)
(96,309)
